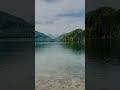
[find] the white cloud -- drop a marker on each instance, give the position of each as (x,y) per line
(50,11)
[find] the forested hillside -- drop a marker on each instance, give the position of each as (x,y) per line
(77,35)
(14,27)
(103,23)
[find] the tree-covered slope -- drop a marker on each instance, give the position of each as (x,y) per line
(41,37)
(103,23)
(13,27)
(77,35)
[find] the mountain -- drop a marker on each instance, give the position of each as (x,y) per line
(77,35)
(61,37)
(41,37)
(74,36)
(103,22)
(52,36)
(14,27)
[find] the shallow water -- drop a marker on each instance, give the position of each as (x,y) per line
(59,66)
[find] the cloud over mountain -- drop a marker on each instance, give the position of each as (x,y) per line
(59,16)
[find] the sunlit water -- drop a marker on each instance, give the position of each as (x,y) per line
(59,66)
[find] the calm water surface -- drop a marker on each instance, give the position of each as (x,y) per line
(102,64)
(17,65)
(59,66)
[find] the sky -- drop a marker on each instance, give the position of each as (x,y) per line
(59,16)
(94,4)
(20,8)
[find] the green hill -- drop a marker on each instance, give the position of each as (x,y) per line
(14,27)
(77,35)
(40,37)
(103,22)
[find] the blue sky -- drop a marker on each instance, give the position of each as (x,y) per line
(59,16)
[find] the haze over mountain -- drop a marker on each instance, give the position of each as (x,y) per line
(59,16)
(53,36)
(77,35)
(61,37)
(41,37)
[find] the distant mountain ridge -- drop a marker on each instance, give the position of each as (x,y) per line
(14,27)
(10,21)
(61,37)
(77,35)
(52,36)
(103,22)
(41,37)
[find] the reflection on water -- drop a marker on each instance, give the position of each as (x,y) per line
(75,47)
(59,66)
(16,65)
(102,64)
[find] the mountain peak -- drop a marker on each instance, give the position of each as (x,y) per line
(52,36)
(41,37)
(13,27)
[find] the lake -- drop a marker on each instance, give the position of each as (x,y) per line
(102,67)
(59,66)
(17,65)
